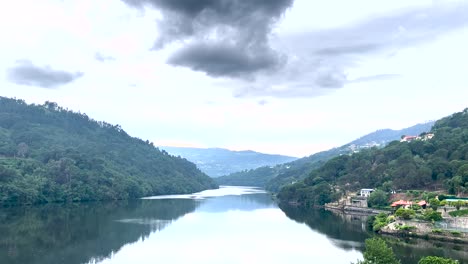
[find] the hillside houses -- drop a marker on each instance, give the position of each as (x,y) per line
(423,137)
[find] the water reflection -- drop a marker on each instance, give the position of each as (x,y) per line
(77,233)
(345,231)
(232,225)
(349,232)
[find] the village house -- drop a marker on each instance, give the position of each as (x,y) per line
(366,192)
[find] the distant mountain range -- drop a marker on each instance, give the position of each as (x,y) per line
(274,177)
(216,162)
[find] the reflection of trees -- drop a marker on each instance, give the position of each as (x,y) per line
(77,233)
(344,232)
(410,250)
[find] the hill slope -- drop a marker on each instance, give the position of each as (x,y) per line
(440,162)
(51,154)
(273,178)
(218,162)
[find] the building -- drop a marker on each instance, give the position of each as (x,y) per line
(408,138)
(366,192)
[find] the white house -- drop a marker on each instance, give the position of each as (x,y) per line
(366,192)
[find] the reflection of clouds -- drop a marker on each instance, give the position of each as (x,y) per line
(258,236)
(222,191)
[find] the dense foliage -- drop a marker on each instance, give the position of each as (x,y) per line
(437,260)
(50,154)
(440,162)
(273,178)
(377,252)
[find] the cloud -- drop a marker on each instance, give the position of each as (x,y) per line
(318,61)
(233,39)
(26,73)
(221,60)
(223,38)
(377,77)
(103,58)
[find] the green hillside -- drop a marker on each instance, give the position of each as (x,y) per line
(274,177)
(439,163)
(49,154)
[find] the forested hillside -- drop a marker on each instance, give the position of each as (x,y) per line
(49,154)
(274,177)
(218,162)
(425,163)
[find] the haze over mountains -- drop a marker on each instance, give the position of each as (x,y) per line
(216,162)
(274,177)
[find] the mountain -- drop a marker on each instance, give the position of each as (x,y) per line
(50,154)
(437,160)
(274,177)
(217,161)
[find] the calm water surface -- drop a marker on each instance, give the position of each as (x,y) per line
(229,225)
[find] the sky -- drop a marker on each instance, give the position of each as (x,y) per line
(290,77)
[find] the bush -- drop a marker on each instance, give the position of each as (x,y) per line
(434,203)
(380,221)
(459,213)
(405,227)
(431,215)
(455,233)
(437,230)
(405,213)
(436,260)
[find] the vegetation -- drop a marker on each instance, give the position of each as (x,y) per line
(459,213)
(440,161)
(432,215)
(275,177)
(405,213)
(378,252)
(378,198)
(437,260)
(405,227)
(380,221)
(50,154)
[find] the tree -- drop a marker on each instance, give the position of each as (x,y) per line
(437,260)
(378,198)
(434,202)
(405,213)
(377,252)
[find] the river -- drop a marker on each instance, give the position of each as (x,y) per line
(229,225)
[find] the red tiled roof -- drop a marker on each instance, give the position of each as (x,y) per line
(401,202)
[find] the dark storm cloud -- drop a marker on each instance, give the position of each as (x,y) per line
(225,60)
(213,27)
(26,73)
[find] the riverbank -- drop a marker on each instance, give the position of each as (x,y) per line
(354,209)
(425,230)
